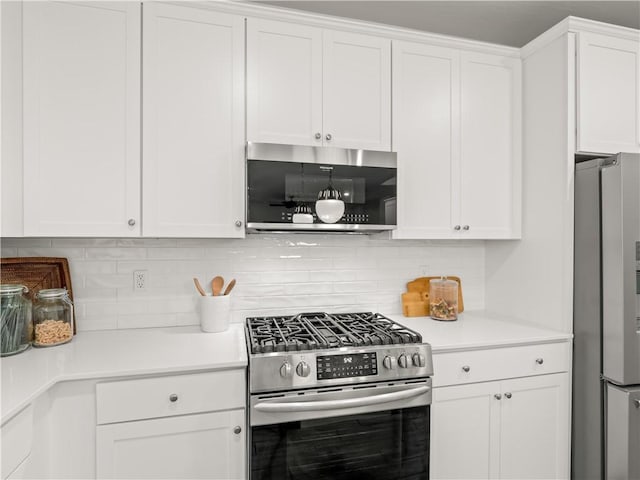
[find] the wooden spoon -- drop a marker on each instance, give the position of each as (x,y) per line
(232,284)
(199,287)
(216,285)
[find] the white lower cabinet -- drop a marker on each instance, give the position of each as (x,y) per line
(178,426)
(501,413)
(207,445)
(516,428)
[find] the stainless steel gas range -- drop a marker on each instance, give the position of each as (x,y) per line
(338,396)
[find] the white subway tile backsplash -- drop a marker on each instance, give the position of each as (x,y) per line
(116,253)
(276,274)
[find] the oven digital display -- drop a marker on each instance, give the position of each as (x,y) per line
(345,366)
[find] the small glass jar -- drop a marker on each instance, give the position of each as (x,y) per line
(443,299)
(52,318)
(15,324)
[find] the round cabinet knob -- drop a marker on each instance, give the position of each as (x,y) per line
(318,136)
(238,223)
(539,361)
(466,368)
(466,227)
(403,361)
(636,403)
(131,222)
(457,227)
(508,395)
(328,136)
(498,396)
(389,362)
(173,397)
(237,429)
(419,360)
(303,369)
(286,370)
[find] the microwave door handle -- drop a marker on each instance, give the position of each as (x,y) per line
(279,407)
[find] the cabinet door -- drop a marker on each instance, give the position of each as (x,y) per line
(534,427)
(81,118)
(490,146)
(284,83)
(193,132)
(608,100)
(356,91)
(191,446)
(425,137)
(464,431)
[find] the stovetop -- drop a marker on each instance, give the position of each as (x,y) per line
(321,331)
(314,350)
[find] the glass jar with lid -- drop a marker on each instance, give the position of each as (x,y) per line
(52,318)
(443,299)
(15,323)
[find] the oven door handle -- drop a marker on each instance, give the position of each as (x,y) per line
(277,407)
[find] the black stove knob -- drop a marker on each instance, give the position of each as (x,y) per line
(303,369)
(419,360)
(403,361)
(286,370)
(389,362)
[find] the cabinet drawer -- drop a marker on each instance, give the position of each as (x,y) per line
(497,363)
(156,397)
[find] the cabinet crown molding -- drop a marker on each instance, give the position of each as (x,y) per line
(576,24)
(355,26)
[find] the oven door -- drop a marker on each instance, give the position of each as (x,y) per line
(378,431)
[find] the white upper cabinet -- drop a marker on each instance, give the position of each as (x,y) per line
(490,147)
(309,86)
(608,94)
(426,138)
(284,83)
(193,129)
(356,91)
(81,134)
(456,129)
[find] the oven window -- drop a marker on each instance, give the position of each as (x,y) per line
(393,444)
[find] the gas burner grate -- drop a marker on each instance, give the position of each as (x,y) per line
(316,331)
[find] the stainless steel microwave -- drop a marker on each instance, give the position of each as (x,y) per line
(320,189)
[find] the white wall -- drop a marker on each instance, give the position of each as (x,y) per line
(532,279)
(276,274)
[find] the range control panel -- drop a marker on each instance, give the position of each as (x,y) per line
(346,366)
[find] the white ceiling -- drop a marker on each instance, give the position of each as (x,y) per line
(511,23)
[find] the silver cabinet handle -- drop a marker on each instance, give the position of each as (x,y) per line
(318,136)
(237,429)
(131,222)
(310,406)
(508,394)
(466,227)
(636,403)
(539,361)
(173,397)
(328,136)
(498,396)
(238,223)
(466,368)
(457,227)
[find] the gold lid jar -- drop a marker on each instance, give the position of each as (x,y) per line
(52,318)
(15,322)
(443,299)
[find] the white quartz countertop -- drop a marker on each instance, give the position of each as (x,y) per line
(118,353)
(474,330)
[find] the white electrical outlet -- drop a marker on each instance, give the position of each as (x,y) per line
(140,280)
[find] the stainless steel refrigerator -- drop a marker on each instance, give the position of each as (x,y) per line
(606,322)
